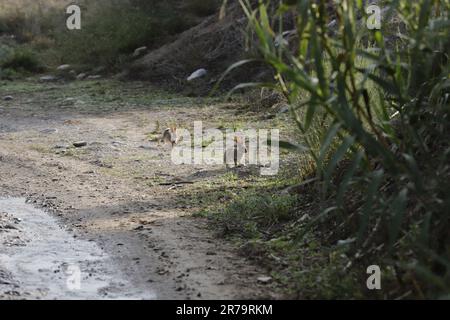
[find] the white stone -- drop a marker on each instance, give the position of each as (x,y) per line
(47,78)
(197,74)
(139,51)
(63,67)
(81,76)
(94,77)
(264,279)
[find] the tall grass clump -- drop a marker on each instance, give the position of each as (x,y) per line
(17,61)
(382,97)
(111,31)
(108,33)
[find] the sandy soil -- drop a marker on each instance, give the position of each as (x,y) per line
(116,192)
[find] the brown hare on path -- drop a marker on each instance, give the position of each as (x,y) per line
(235,152)
(170,136)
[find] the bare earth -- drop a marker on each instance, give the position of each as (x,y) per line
(117,191)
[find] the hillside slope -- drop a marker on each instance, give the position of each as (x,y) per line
(214,45)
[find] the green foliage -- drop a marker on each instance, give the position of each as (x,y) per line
(111,30)
(105,37)
(383,99)
(21,60)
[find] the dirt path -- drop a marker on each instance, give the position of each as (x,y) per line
(113,191)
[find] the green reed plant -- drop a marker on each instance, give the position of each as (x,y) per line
(382,97)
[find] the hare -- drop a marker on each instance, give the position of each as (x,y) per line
(170,136)
(236,152)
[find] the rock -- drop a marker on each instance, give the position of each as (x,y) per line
(94,77)
(63,67)
(304,218)
(80,144)
(81,76)
(70,100)
(284,108)
(8,98)
(264,279)
(139,51)
(197,74)
(48,131)
(48,79)
(346,241)
(62,146)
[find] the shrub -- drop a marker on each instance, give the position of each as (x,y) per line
(111,30)
(103,38)
(110,33)
(22,60)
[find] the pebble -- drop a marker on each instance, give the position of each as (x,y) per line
(47,79)
(284,109)
(197,74)
(264,279)
(139,51)
(80,144)
(81,76)
(94,77)
(63,67)
(62,146)
(50,130)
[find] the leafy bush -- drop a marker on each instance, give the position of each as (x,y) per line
(103,38)
(22,60)
(111,30)
(383,98)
